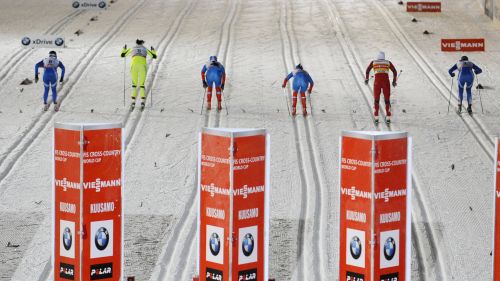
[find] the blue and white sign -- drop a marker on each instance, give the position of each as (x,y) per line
(248,240)
(67,239)
(102,239)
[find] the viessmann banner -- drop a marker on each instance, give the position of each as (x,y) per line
(432,7)
(233,206)
(463,45)
(97,158)
(375,185)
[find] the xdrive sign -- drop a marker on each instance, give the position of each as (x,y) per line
(43,41)
(463,45)
(89,4)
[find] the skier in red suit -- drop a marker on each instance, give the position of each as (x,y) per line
(381,68)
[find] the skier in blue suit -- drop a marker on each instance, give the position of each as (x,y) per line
(302,81)
(50,65)
(466,74)
(213,73)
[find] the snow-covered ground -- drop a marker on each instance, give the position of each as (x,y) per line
(259,41)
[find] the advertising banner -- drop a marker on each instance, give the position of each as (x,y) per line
(88,213)
(496,216)
(375,185)
(43,41)
(463,45)
(233,207)
(432,7)
(89,4)
(66,198)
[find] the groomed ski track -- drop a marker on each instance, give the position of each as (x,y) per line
(258,47)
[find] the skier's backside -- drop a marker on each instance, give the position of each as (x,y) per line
(50,66)
(466,71)
(381,68)
(213,74)
(302,81)
(138,68)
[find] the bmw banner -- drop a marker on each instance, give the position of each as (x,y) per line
(43,41)
(375,206)
(233,175)
(89,4)
(88,181)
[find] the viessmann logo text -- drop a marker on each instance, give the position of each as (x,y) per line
(463,45)
(386,195)
(98,184)
(423,7)
(244,191)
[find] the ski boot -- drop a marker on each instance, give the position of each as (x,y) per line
(209,105)
(459,108)
(56,107)
(132,106)
(219,106)
(388,119)
(45,107)
(294,111)
(143,105)
(304,112)
(469,109)
(375,119)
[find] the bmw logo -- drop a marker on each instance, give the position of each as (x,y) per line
(59,41)
(356,248)
(76,4)
(26,41)
(67,238)
(247,245)
(389,248)
(101,238)
(214,244)
(102,4)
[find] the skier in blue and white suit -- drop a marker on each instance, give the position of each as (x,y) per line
(302,81)
(50,65)
(213,73)
(466,71)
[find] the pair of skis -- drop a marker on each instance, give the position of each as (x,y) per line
(288,104)
(132,106)
(47,106)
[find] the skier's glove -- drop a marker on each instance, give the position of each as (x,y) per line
(61,80)
(394,83)
(283,86)
(366,81)
(452,74)
(205,85)
(309,91)
(222,87)
(125,47)
(36,78)
(152,49)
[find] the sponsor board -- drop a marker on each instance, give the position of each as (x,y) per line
(233,181)
(66,271)
(89,4)
(375,190)
(43,41)
(88,196)
(496,215)
(432,7)
(463,45)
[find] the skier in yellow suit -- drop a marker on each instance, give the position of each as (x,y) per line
(139,68)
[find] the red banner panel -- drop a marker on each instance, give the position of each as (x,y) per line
(463,45)
(432,7)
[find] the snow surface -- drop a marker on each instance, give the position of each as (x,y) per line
(259,41)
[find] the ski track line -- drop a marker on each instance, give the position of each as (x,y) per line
(41,120)
(421,210)
(163,45)
(172,248)
(13,62)
(473,123)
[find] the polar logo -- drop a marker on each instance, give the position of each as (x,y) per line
(102,245)
(355,247)
(59,41)
(76,4)
(26,41)
(389,244)
(248,250)
(214,249)
(67,229)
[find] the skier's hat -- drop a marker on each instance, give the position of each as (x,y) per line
(381,56)
(299,66)
(464,58)
(53,54)
(139,42)
(213,58)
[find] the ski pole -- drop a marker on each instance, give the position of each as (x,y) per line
(225,102)
(449,100)
(286,100)
(124,74)
(310,103)
(203,101)
(479,92)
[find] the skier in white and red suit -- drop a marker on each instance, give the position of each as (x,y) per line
(381,68)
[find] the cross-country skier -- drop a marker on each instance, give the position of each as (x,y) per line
(466,71)
(138,68)
(50,66)
(302,81)
(213,73)
(381,68)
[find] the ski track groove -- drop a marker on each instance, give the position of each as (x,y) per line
(472,122)
(42,121)
(352,57)
(13,62)
(171,247)
(313,180)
